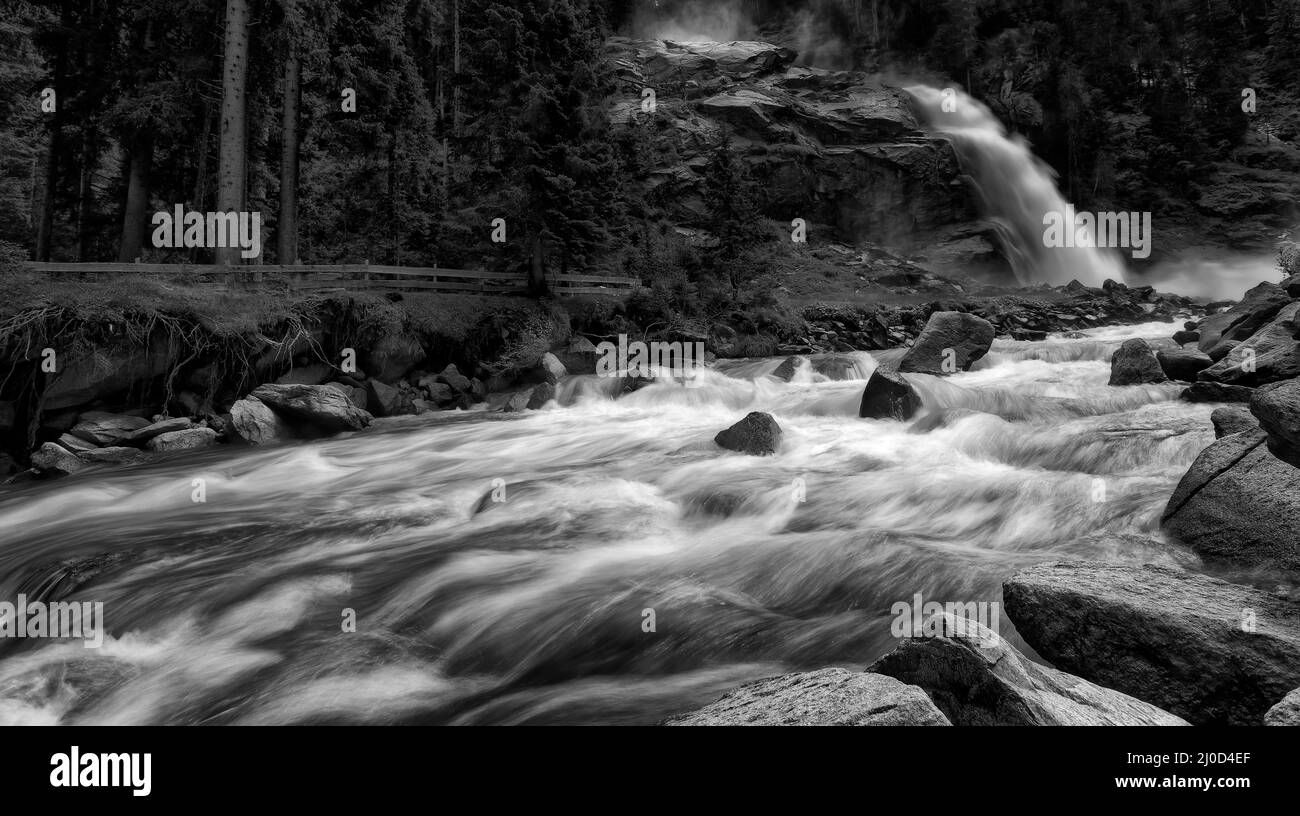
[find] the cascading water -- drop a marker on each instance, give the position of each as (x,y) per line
(1015,190)
(499,566)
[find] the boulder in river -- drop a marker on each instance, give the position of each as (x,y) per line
(1183,364)
(1216,392)
(188,439)
(1239,504)
(1256,308)
(1134,363)
(318,407)
(104,429)
(976,677)
(824,697)
(1277,407)
(143,435)
(541,394)
(1269,355)
(888,395)
(756,434)
(388,400)
(1232,419)
(1286,712)
(950,342)
(255,423)
(579,356)
(786,370)
(1186,336)
(1206,650)
(55,460)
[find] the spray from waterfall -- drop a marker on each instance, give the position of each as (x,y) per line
(1015,190)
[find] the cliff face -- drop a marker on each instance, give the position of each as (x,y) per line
(835,148)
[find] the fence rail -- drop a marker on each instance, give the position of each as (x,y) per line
(351,276)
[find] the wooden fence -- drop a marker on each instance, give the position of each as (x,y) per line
(351,276)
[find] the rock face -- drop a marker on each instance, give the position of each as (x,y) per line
(1239,504)
(1257,307)
(1270,354)
(255,423)
(104,429)
(977,678)
(888,395)
(1134,363)
(1277,407)
(825,697)
(756,434)
(950,342)
(1286,712)
(1183,364)
(1209,651)
(318,406)
(1231,419)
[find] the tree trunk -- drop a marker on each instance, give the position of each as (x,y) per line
(455,69)
(286,239)
(45,226)
(234,75)
(204,149)
(137,198)
(537,267)
(86,191)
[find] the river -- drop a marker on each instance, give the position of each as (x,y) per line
(502,568)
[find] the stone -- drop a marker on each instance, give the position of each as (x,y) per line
(1186,336)
(825,697)
(142,436)
(785,371)
(1209,651)
(255,423)
(553,369)
(1286,712)
(1134,363)
(1232,419)
(75,444)
(757,434)
(1183,364)
(888,395)
(114,455)
(540,395)
(318,407)
(579,356)
(950,342)
(105,429)
(188,439)
(1257,307)
(976,677)
(393,357)
(1277,407)
(311,374)
(452,377)
(387,401)
(1216,392)
(1269,355)
(54,460)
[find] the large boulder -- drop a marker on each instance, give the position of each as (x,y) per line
(1134,363)
(1286,712)
(55,460)
(756,434)
(255,423)
(1269,355)
(388,400)
(103,429)
(188,439)
(1216,392)
(143,435)
(888,395)
(823,697)
(950,342)
(393,357)
(785,371)
(976,677)
(542,394)
(1183,364)
(1277,407)
(1239,504)
(1257,307)
(113,455)
(1206,650)
(579,356)
(318,407)
(1232,419)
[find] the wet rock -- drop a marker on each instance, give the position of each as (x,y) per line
(836,368)
(1232,419)
(358,394)
(1183,364)
(103,429)
(950,342)
(255,423)
(1277,407)
(888,395)
(1269,355)
(1291,286)
(388,401)
(824,697)
(75,444)
(115,455)
(1239,504)
(1257,307)
(516,402)
(54,460)
(318,407)
(1134,363)
(1185,336)
(440,393)
(977,678)
(1211,652)
(757,434)
(1286,712)
(451,376)
(142,436)
(553,370)
(786,370)
(1216,392)
(188,439)
(942,419)
(392,358)
(312,374)
(579,356)
(541,394)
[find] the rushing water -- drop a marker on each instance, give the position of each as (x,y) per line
(1015,189)
(529,610)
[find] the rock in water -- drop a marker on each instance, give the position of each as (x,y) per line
(1216,392)
(1277,407)
(148,432)
(1232,419)
(188,439)
(1134,364)
(1269,355)
(255,423)
(1239,504)
(55,460)
(1183,364)
(1287,712)
(388,401)
(319,406)
(824,697)
(888,395)
(106,430)
(950,342)
(1209,651)
(976,678)
(541,395)
(786,370)
(579,357)
(756,434)
(1257,307)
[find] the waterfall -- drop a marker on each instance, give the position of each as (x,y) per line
(1015,190)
